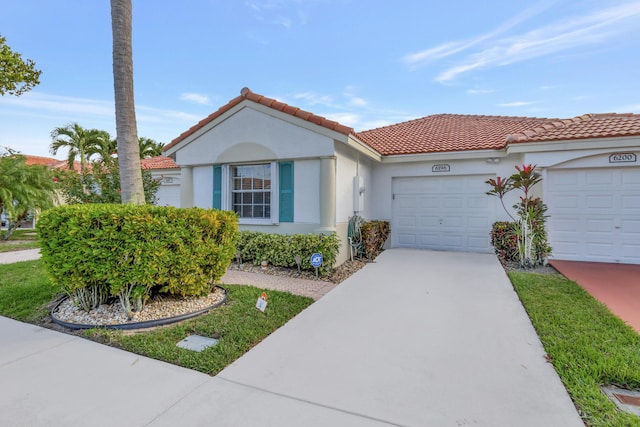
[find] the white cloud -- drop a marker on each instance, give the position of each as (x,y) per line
(196,98)
(479,91)
(357,102)
(347,119)
(516,104)
(495,48)
(284,13)
(30,118)
(312,98)
(633,108)
(415,60)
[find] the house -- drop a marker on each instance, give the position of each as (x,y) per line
(285,170)
(167,173)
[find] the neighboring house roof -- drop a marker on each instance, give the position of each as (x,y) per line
(446,132)
(38,160)
(158,162)
(51,162)
(451,132)
(246,94)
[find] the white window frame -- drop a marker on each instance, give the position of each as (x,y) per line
(227,203)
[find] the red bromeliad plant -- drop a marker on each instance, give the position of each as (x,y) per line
(529,229)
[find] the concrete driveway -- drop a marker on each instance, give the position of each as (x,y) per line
(419,338)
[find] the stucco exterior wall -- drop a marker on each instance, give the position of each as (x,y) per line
(203,186)
(252,135)
(349,164)
(306,192)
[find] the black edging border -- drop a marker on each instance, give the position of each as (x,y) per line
(137,325)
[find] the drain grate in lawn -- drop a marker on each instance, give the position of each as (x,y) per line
(626,400)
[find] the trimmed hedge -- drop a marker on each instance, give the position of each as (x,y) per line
(94,251)
(374,234)
(280,250)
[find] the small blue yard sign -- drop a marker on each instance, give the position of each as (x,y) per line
(316,260)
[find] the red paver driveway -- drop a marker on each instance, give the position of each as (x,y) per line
(615,285)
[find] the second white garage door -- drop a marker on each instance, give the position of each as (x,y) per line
(444,213)
(594,214)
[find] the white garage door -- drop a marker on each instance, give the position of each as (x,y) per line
(445,213)
(168,195)
(594,214)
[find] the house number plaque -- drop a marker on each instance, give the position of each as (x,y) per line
(623,158)
(441,168)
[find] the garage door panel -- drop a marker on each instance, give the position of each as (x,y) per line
(631,179)
(428,240)
(600,226)
(630,201)
(565,224)
(478,202)
(599,250)
(429,221)
(407,220)
(630,253)
(453,213)
(453,224)
(599,177)
(454,203)
(563,201)
(600,202)
(631,228)
(452,241)
(407,201)
(427,202)
(594,214)
(476,244)
(479,222)
(561,180)
(407,238)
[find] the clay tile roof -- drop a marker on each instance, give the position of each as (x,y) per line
(246,93)
(51,162)
(447,132)
(38,160)
(159,162)
(582,127)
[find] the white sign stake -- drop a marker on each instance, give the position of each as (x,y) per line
(262,302)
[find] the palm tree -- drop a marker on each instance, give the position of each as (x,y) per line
(82,143)
(107,148)
(149,147)
(126,129)
(23,189)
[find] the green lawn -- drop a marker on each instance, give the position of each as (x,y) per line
(238,323)
(20,239)
(588,346)
(25,291)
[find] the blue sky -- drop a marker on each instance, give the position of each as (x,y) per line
(363,63)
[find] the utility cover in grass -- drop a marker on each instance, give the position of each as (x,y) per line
(626,400)
(197,343)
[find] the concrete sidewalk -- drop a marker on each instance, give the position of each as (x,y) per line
(419,338)
(18,256)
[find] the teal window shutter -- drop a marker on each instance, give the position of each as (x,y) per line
(217,187)
(285,179)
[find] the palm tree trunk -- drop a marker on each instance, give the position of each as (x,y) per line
(126,129)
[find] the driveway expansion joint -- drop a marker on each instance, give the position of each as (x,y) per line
(333,408)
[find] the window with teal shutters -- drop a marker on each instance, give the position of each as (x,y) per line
(285,179)
(217,187)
